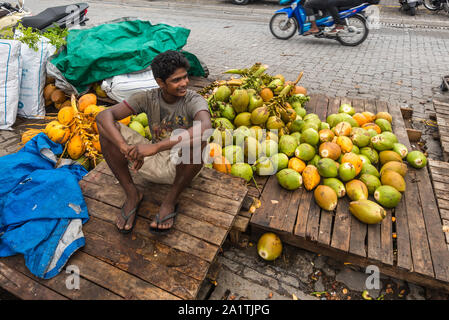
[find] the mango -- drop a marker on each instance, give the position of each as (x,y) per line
(325,197)
(356,190)
(417,159)
(336,185)
(310,177)
(394,179)
(367,211)
(289,179)
(396,166)
(372,182)
(387,196)
(327,168)
(389,155)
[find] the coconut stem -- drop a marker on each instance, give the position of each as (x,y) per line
(299,78)
(257,187)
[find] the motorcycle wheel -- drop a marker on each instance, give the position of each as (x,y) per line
(346,38)
(282,27)
(412,11)
(240,2)
(431,5)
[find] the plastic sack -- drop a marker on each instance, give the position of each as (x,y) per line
(121,87)
(10,75)
(31,96)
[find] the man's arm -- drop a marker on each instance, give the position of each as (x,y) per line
(192,135)
(106,125)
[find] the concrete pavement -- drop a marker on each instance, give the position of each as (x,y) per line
(401,64)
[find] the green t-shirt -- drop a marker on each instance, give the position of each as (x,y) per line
(163,117)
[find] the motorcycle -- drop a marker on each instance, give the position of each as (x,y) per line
(63,16)
(410,6)
(287,21)
(436,5)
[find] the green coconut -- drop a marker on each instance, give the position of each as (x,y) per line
(279,161)
(287,145)
(222,94)
(242,170)
(289,179)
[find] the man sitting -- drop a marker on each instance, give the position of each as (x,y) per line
(170,107)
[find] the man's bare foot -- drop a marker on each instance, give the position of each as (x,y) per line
(311,31)
(130,203)
(164,211)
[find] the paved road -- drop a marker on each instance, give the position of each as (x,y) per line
(401,65)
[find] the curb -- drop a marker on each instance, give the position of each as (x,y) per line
(264,14)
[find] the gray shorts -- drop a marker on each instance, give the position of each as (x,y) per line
(158,168)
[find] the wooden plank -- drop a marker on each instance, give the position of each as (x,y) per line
(113,279)
(196,228)
(23,287)
(438,164)
(275,201)
(87,290)
(137,254)
(432,219)
(358,229)
(306,199)
(326,218)
(374,231)
(386,227)
(421,258)
(313,221)
(342,224)
(206,199)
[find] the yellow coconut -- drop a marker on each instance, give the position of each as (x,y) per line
(66,115)
(76,147)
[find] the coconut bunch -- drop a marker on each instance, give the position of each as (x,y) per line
(350,154)
(249,115)
(76,129)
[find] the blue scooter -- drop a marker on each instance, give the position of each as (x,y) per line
(287,21)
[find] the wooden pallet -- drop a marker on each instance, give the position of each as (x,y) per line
(419,253)
(440,179)
(140,265)
(442,115)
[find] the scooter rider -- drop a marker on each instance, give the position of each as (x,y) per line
(332,7)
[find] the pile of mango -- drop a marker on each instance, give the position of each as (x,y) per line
(262,127)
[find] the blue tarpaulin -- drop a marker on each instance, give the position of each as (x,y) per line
(42,208)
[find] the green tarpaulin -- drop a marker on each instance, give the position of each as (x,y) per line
(112,49)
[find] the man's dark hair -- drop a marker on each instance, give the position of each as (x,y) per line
(166,63)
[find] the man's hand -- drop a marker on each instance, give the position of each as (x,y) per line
(140,151)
